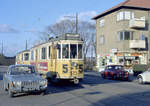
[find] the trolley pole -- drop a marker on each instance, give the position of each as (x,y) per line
(76,23)
(76,17)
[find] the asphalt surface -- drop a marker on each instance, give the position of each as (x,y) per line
(92,91)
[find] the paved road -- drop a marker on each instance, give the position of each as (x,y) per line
(93,91)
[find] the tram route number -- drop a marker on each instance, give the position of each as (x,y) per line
(65,68)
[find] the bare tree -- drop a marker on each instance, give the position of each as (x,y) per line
(62,27)
(87,31)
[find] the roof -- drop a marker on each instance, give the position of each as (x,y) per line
(23,51)
(21,65)
(140,4)
(67,36)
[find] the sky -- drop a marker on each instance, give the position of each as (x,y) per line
(21,20)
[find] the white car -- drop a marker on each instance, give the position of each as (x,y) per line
(144,77)
(102,68)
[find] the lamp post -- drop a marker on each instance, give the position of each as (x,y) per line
(76,21)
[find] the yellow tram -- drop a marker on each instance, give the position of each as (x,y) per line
(23,57)
(59,58)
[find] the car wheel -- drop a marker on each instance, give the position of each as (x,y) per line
(114,77)
(10,93)
(103,76)
(140,80)
(43,93)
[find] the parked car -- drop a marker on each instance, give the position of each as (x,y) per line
(144,77)
(115,72)
(23,79)
(101,69)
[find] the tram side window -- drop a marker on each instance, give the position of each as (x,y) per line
(32,55)
(80,51)
(22,57)
(65,51)
(26,56)
(49,53)
(73,51)
(59,51)
(43,53)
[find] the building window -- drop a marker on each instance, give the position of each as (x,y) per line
(43,53)
(102,39)
(125,35)
(102,22)
(125,15)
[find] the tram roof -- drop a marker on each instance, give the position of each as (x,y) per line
(23,51)
(67,36)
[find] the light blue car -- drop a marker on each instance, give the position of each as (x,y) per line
(23,79)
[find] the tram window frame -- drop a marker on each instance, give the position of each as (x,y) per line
(80,52)
(43,53)
(21,57)
(26,56)
(32,55)
(73,52)
(65,55)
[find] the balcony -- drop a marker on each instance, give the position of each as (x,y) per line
(137,44)
(137,23)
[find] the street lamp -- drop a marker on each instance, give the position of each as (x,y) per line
(76,21)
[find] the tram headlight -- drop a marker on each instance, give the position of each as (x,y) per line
(75,64)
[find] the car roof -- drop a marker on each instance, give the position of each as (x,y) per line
(20,65)
(114,65)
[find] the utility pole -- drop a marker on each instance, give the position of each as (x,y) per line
(26,45)
(2,48)
(76,21)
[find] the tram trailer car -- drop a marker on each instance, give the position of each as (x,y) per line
(23,57)
(60,58)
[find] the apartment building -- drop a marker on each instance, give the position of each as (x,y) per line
(123,33)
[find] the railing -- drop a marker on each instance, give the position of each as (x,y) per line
(133,44)
(137,23)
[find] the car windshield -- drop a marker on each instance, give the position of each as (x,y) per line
(17,70)
(114,67)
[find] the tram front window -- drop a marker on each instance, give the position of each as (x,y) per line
(59,51)
(80,51)
(65,51)
(26,56)
(73,51)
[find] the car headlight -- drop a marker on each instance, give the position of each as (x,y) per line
(18,83)
(43,82)
(75,64)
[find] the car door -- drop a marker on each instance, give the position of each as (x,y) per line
(147,75)
(106,71)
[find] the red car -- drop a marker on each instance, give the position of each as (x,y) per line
(115,72)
